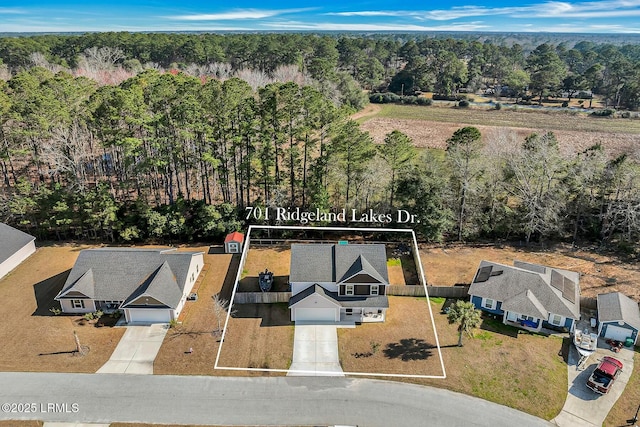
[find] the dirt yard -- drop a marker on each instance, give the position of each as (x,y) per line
(599,273)
(275,259)
(35,340)
(404,344)
(430,127)
(258,336)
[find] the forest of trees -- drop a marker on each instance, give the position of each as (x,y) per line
(96,143)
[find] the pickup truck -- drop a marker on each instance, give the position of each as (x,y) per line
(605,374)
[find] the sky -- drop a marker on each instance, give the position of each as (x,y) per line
(603,16)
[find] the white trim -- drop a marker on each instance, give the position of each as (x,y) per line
(77,304)
(560,322)
(349,290)
(492,306)
(377,290)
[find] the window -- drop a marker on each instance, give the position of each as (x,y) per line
(349,311)
(374,289)
(349,290)
(77,303)
(488,303)
(197,267)
(556,319)
(192,277)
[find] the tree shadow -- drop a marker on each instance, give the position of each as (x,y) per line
(564,350)
(409,349)
(46,291)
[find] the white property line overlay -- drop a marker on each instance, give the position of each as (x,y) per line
(245,250)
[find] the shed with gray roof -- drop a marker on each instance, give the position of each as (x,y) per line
(148,285)
(618,317)
(15,247)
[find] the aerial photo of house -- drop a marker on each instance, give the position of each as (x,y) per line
(148,285)
(527,296)
(334,283)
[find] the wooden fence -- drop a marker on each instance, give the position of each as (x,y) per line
(261,297)
(434,291)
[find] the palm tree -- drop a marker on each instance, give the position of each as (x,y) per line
(466,315)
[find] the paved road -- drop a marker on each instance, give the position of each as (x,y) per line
(248,401)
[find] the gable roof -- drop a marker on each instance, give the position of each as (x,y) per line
(616,307)
(329,263)
(380,301)
(525,303)
(234,237)
(119,274)
(553,290)
(12,241)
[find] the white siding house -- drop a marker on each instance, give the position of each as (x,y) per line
(15,247)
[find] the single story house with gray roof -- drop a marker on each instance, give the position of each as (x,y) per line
(528,296)
(331,283)
(148,285)
(15,247)
(618,317)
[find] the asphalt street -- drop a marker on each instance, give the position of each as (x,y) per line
(244,401)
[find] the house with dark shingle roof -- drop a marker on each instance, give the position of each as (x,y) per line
(528,296)
(331,283)
(147,285)
(618,317)
(15,247)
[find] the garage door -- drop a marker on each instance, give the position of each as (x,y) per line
(149,315)
(617,333)
(316,314)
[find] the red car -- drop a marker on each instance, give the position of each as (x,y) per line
(604,375)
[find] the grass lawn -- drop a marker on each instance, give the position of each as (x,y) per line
(626,406)
(35,340)
(599,273)
(258,336)
(520,370)
(404,344)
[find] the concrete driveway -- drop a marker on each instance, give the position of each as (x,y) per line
(583,407)
(136,350)
(315,351)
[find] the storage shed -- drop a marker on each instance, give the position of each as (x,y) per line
(233,243)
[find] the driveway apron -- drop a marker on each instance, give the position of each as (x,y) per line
(584,407)
(315,351)
(136,350)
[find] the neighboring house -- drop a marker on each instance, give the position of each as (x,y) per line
(618,317)
(527,296)
(233,243)
(331,283)
(148,285)
(15,247)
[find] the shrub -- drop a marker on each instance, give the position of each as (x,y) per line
(498,106)
(463,104)
(603,113)
(98,314)
(173,323)
(565,104)
(424,101)
(55,310)
(88,316)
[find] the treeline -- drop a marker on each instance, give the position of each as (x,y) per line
(403,65)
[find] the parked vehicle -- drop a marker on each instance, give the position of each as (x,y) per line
(605,374)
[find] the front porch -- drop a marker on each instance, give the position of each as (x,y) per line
(362,315)
(522,321)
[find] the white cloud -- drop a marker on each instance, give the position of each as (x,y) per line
(551,9)
(237,14)
(11,11)
(332,26)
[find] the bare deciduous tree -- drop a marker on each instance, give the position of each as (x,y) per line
(220,310)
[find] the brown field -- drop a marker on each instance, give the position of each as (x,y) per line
(626,406)
(35,340)
(404,344)
(430,127)
(599,273)
(23,423)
